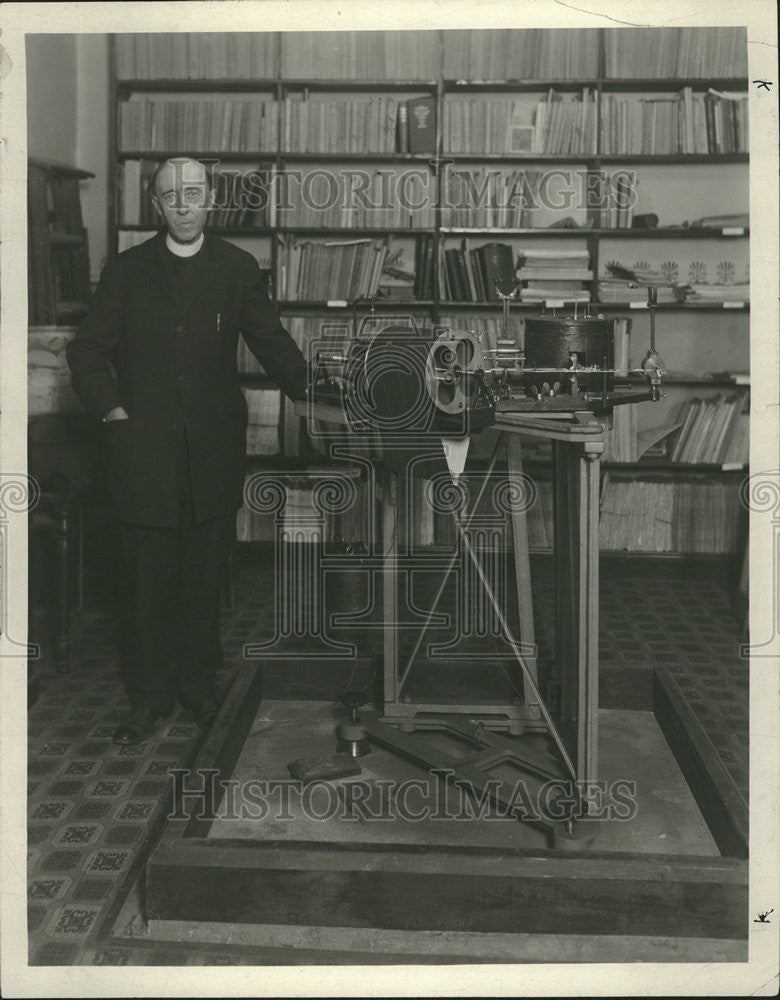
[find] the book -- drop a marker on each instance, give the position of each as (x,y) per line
(457,280)
(402,128)
(553,274)
(421,124)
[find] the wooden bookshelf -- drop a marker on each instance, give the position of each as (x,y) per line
(429,65)
(58,253)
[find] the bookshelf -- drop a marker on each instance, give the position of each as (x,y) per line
(58,254)
(315,117)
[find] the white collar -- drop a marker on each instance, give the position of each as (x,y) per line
(183,249)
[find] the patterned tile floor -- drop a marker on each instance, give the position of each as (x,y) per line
(92,805)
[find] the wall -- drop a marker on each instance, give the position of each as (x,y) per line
(51,97)
(92,98)
(67,119)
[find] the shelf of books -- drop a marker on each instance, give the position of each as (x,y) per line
(429,169)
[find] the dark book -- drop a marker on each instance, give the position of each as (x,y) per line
(458,285)
(427,283)
(467,277)
(402,128)
(479,277)
(422,268)
(709,112)
(421,124)
(497,268)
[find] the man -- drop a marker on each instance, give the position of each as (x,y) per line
(155,360)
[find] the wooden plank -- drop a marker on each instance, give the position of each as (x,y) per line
(575,526)
(290,889)
(522,564)
(234,852)
(359,946)
(718,798)
(219,754)
(391,514)
(62,168)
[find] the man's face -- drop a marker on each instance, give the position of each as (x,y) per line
(182,198)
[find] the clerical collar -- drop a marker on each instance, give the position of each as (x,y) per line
(183,249)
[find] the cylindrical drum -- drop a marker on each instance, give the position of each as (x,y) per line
(564,344)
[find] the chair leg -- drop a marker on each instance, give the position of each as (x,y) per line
(61,641)
(80,562)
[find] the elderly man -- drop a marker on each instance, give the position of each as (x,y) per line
(155,360)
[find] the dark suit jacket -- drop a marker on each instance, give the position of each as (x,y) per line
(172,365)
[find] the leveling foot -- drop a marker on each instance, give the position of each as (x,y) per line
(573,835)
(351,734)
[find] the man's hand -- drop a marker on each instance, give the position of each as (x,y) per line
(118,413)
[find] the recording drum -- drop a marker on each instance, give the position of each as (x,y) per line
(577,353)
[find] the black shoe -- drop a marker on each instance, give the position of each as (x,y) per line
(205,713)
(140,724)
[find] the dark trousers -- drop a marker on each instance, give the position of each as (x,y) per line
(176,576)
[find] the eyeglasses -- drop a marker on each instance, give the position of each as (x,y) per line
(189,196)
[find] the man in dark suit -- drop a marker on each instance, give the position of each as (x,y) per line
(155,360)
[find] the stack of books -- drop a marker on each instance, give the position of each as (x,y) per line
(359,125)
(212,55)
(713,432)
(300,519)
(676,53)
(351,198)
(665,514)
(135,203)
(359,55)
(620,440)
(547,275)
(565,127)
(491,197)
(709,124)
(262,433)
(242,195)
(423,268)
(478,125)
(554,126)
(475,274)
(737,292)
(521,54)
(620,197)
(335,270)
(242,199)
(222,126)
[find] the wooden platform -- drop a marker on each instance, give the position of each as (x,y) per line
(673,889)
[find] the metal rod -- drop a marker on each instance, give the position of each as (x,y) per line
(516,650)
(652,302)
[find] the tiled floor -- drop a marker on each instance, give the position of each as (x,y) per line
(93,806)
